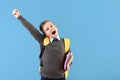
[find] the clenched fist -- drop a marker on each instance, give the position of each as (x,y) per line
(16,13)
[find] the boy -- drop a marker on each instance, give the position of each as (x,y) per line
(52,58)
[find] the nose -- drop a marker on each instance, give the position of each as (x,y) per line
(51,29)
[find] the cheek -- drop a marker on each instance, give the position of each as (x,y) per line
(47,33)
(55,28)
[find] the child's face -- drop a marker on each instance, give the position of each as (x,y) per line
(50,30)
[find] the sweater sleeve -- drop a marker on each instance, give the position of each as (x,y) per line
(34,32)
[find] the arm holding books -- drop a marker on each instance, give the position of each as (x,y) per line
(68,60)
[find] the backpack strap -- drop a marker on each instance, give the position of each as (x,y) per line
(46,41)
(67,48)
(67,44)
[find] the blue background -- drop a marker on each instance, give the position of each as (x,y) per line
(92,25)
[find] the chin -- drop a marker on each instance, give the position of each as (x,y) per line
(54,36)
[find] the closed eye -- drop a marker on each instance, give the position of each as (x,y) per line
(51,26)
(47,29)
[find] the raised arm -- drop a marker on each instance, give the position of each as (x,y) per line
(36,34)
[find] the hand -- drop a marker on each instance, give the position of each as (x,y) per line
(16,13)
(69,61)
(68,67)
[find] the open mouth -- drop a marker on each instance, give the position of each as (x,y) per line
(53,32)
